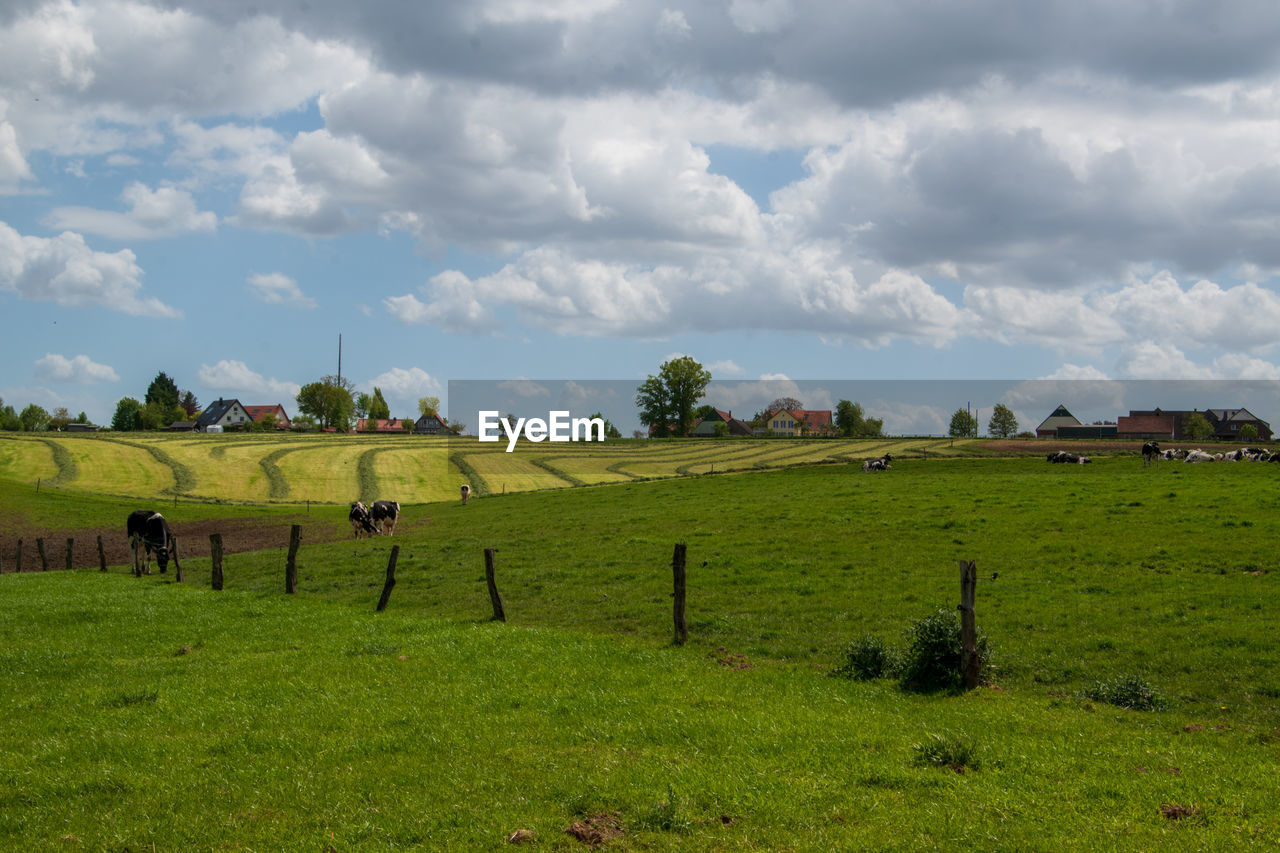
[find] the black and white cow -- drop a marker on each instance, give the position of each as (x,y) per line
(1063,457)
(881,464)
(361,520)
(149,530)
(1150,453)
(466,494)
(385,515)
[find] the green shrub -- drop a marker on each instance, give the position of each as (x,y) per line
(951,752)
(1127,691)
(931,659)
(866,659)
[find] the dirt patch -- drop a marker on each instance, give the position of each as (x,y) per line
(596,829)
(238,536)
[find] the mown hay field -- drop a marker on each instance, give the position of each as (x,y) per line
(337,469)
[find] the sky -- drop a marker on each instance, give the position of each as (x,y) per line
(514,190)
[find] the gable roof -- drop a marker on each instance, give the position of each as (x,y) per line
(1060,417)
(257,413)
(215,410)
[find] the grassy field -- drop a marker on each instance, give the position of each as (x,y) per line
(143,712)
(337,469)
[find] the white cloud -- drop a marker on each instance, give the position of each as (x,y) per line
(80,368)
(412,382)
(66,271)
(1077,371)
(725,367)
(236,377)
(674,25)
(278,289)
(524,388)
(163,212)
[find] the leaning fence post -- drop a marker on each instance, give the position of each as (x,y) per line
(677,570)
(102,555)
(70,543)
(391,579)
(215,552)
(499,613)
(44,564)
(968,624)
(291,564)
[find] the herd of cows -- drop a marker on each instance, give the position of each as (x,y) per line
(1151,454)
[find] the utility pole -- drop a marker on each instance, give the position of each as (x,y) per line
(339,359)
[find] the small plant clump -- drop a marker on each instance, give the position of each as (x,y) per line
(1127,691)
(952,753)
(931,660)
(868,658)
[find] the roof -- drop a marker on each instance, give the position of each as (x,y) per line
(811,417)
(383,424)
(215,410)
(1060,417)
(257,413)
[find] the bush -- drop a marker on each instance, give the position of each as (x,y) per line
(931,660)
(950,752)
(1127,691)
(868,658)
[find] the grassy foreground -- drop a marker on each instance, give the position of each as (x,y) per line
(154,716)
(144,712)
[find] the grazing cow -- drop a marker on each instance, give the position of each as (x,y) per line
(466,493)
(148,529)
(385,515)
(1150,453)
(361,520)
(881,464)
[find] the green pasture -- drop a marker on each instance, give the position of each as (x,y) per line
(337,469)
(145,712)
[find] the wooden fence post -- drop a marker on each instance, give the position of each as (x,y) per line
(177,564)
(499,613)
(291,564)
(44,563)
(102,555)
(215,552)
(677,570)
(968,625)
(19,559)
(391,579)
(70,543)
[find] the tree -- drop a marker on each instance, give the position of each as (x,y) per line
(329,401)
(378,408)
(1196,427)
(963,424)
(789,403)
(158,415)
(59,419)
(1003,423)
(162,390)
(655,406)
(667,401)
(128,416)
(34,418)
(9,420)
(1248,432)
(706,410)
(362,403)
(850,419)
(189,404)
(81,418)
(610,431)
(429,406)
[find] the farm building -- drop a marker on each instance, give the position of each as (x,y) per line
(399,426)
(1170,424)
(259,414)
(222,413)
(710,425)
(1057,420)
(797,421)
(431,424)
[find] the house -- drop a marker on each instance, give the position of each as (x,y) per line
(75,427)
(710,425)
(1059,418)
(258,414)
(1171,425)
(181,426)
(395,425)
(222,413)
(799,421)
(431,424)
